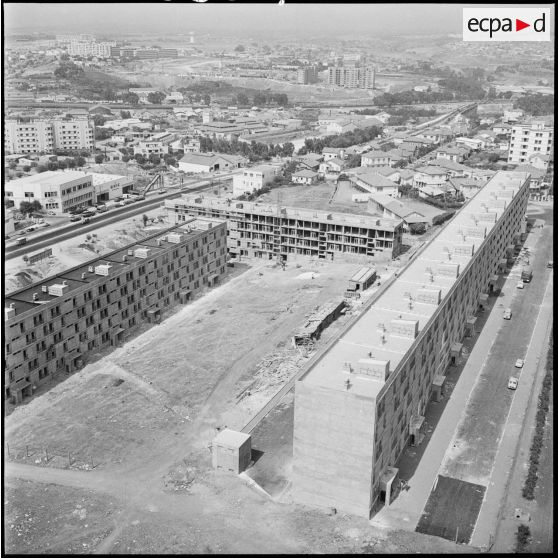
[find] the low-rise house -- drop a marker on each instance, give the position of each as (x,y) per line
(537,160)
(502,129)
(375,159)
(389,172)
(311,161)
(512,115)
(476,144)
(411,212)
(416,142)
(333,166)
(537,177)
(430,175)
(406,177)
(372,182)
(439,135)
(483,175)
(467,186)
(333,152)
(252,179)
(304,176)
(341,127)
(453,153)
(453,169)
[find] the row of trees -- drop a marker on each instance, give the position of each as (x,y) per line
(536,104)
(316,145)
(254,151)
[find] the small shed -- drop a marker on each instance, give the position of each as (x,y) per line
(362,279)
(232,451)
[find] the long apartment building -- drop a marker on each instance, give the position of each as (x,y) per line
(266,231)
(529,139)
(52,325)
(352,77)
(363,400)
(46,136)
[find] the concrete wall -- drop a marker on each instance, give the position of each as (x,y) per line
(333,449)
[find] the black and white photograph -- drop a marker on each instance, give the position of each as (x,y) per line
(278,278)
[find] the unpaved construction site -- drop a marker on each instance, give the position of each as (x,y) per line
(116,457)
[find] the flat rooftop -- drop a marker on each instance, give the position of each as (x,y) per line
(385,330)
(76,277)
(234,206)
(49,177)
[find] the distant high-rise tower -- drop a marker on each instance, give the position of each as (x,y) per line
(191,37)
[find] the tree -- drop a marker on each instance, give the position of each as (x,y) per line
(239,48)
(99,120)
(156,97)
(131,98)
(260,99)
(206,98)
(71,163)
(242,99)
(417,228)
(52,165)
(99,159)
(80,161)
(30,207)
(41,168)
(125,113)
(154,159)
(26,168)
(62,165)
(125,158)
(13,165)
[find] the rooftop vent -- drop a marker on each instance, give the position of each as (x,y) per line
(44,288)
(374,368)
(130,252)
(124,258)
(141,252)
(83,275)
(58,289)
(90,269)
(103,269)
(404,328)
(35,296)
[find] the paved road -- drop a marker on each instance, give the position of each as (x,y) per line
(56,235)
(409,505)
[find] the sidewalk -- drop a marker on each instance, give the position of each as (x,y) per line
(409,505)
(496,515)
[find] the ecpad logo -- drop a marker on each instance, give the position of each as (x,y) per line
(506,24)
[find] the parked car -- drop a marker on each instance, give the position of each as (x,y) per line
(78,210)
(85,220)
(513,383)
(52,212)
(119,204)
(140,198)
(507,314)
(87,214)
(30,229)
(519,363)
(21,241)
(19,233)
(128,201)
(75,218)
(520,285)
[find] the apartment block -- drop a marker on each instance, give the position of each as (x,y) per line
(534,138)
(46,136)
(352,76)
(363,399)
(307,75)
(267,231)
(52,326)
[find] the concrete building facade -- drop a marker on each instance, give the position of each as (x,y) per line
(51,326)
(529,139)
(264,231)
(55,191)
(252,179)
(364,398)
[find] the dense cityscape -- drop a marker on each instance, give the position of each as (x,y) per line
(274,293)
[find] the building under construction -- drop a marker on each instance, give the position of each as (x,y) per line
(363,400)
(269,231)
(51,326)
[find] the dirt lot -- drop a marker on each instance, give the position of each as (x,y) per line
(69,253)
(324,197)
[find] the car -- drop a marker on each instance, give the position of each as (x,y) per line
(507,314)
(520,285)
(513,383)
(128,201)
(519,363)
(119,204)
(87,214)
(162,191)
(75,218)
(19,233)
(140,198)
(85,220)
(78,210)
(30,229)
(52,212)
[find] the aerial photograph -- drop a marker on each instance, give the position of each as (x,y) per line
(278,278)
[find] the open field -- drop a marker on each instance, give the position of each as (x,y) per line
(317,197)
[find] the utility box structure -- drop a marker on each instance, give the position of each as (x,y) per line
(232,451)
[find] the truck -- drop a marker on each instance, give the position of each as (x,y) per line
(21,241)
(527,274)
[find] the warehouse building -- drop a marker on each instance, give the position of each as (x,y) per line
(266,231)
(51,326)
(363,399)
